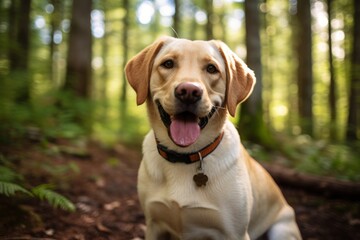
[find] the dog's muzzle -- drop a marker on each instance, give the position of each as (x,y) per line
(184,136)
(166,119)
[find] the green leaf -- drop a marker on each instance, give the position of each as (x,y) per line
(8,175)
(9,189)
(43,192)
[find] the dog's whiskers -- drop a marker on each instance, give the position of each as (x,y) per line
(217,109)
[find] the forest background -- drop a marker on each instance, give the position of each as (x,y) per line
(61,72)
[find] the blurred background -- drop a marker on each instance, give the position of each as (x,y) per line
(71,133)
(61,72)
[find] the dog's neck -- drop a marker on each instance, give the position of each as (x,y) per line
(176,157)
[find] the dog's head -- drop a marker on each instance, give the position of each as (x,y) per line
(188,85)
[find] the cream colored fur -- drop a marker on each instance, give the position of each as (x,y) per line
(240,200)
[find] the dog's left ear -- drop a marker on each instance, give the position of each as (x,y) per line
(138,69)
(240,79)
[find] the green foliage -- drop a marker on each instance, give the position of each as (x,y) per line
(12,183)
(305,154)
(72,116)
(128,125)
(8,179)
(8,175)
(322,158)
(54,114)
(61,170)
(9,189)
(44,192)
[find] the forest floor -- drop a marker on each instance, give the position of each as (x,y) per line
(102,184)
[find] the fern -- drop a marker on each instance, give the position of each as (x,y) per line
(8,175)
(11,183)
(43,192)
(9,189)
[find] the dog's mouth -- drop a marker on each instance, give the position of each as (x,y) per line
(184,128)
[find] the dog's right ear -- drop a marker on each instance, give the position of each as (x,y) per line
(138,69)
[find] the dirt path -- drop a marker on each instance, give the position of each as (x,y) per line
(103,187)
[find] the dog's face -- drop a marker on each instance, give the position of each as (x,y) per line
(188,85)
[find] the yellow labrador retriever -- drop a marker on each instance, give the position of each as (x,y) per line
(196,180)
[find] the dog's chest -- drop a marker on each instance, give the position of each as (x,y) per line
(215,209)
(172,201)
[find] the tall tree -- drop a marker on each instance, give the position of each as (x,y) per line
(251,123)
(304,71)
(19,42)
(105,53)
(209,8)
(332,87)
(55,20)
(177,19)
(78,69)
(353,122)
(125,45)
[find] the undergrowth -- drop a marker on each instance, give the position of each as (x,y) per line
(13,185)
(321,157)
(318,157)
(56,115)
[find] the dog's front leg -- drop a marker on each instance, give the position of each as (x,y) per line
(154,233)
(285,227)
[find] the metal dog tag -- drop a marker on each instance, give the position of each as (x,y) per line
(200,179)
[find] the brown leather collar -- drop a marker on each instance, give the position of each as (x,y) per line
(188,158)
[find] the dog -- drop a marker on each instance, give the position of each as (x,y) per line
(196,180)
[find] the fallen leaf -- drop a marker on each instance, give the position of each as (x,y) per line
(112,205)
(101,227)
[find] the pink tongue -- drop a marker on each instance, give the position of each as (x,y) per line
(184,131)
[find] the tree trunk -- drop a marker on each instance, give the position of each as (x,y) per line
(78,69)
(105,55)
(125,45)
(332,86)
(270,62)
(19,39)
(251,123)
(353,122)
(304,72)
(209,8)
(176,19)
(321,185)
(55,20)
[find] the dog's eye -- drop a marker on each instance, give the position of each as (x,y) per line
(168,64)
(211,69)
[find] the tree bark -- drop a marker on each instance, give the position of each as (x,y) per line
(251,123)
(20,34)
(105,55)
(78,70)
(209,8)
(19,39)
(321,185)
(304,72)
(353,122)
(332,85)
(125,46)
(176,19)
(55,20)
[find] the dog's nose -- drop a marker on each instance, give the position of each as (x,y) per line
(188,92)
